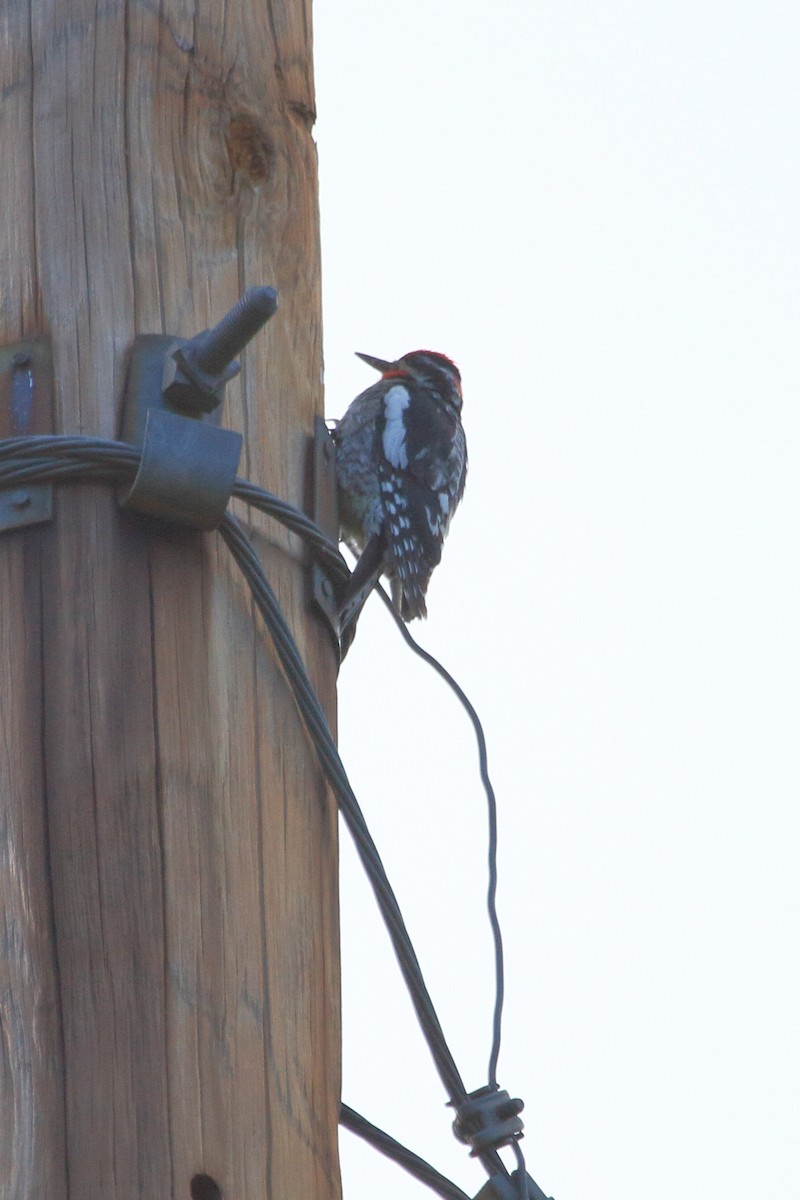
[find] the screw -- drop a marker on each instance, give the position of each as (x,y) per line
(221,344)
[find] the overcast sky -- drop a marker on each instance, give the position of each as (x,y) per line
(593,207)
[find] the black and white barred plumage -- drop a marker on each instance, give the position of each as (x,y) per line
(401,468)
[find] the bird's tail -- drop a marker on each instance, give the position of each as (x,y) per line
(408,597)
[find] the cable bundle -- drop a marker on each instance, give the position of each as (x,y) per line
(488,1118)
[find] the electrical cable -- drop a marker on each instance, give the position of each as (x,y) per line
(44,457)
(297,522)
(50,457)
(521,1172)
(400,1154)
(316,723)
(317,726)
(491,802)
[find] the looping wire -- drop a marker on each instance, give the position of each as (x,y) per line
(488,1118)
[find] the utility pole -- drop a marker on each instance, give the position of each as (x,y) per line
(169,977)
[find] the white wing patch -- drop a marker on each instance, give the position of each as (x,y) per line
(395,402)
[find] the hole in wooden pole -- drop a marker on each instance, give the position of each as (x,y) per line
(203,1187)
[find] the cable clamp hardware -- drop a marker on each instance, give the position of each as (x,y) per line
(488,1119)
(505,1187)
(173,406)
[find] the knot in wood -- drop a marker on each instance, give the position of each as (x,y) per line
(249,148)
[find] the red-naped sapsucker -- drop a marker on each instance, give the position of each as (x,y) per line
(401,467)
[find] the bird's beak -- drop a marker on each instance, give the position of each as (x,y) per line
(380,364)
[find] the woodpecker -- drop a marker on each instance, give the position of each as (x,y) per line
(401,467)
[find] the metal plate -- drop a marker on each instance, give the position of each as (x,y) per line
(326,515)
(187,470)
(26,407)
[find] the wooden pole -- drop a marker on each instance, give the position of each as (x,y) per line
(169,1005)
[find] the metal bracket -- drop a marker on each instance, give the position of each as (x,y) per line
(26,407)
(187,470)
(173,404)
(188,465)
(325,514)
(501,1187)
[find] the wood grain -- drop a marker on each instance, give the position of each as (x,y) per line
(169,995)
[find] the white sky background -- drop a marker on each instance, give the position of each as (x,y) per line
(593,207)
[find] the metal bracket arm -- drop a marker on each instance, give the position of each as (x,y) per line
(173,403)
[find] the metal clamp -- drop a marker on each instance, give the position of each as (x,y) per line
(505,1187)
(173,404)
(488,1119)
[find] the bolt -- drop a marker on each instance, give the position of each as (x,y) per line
(20,500)
(221,344)
(20,358)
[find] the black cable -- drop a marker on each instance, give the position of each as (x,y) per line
(325,550)
(317,726)
(400,1154)
(491,802)
(316,723)
(50,445)
(522,1174)
(46,457)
